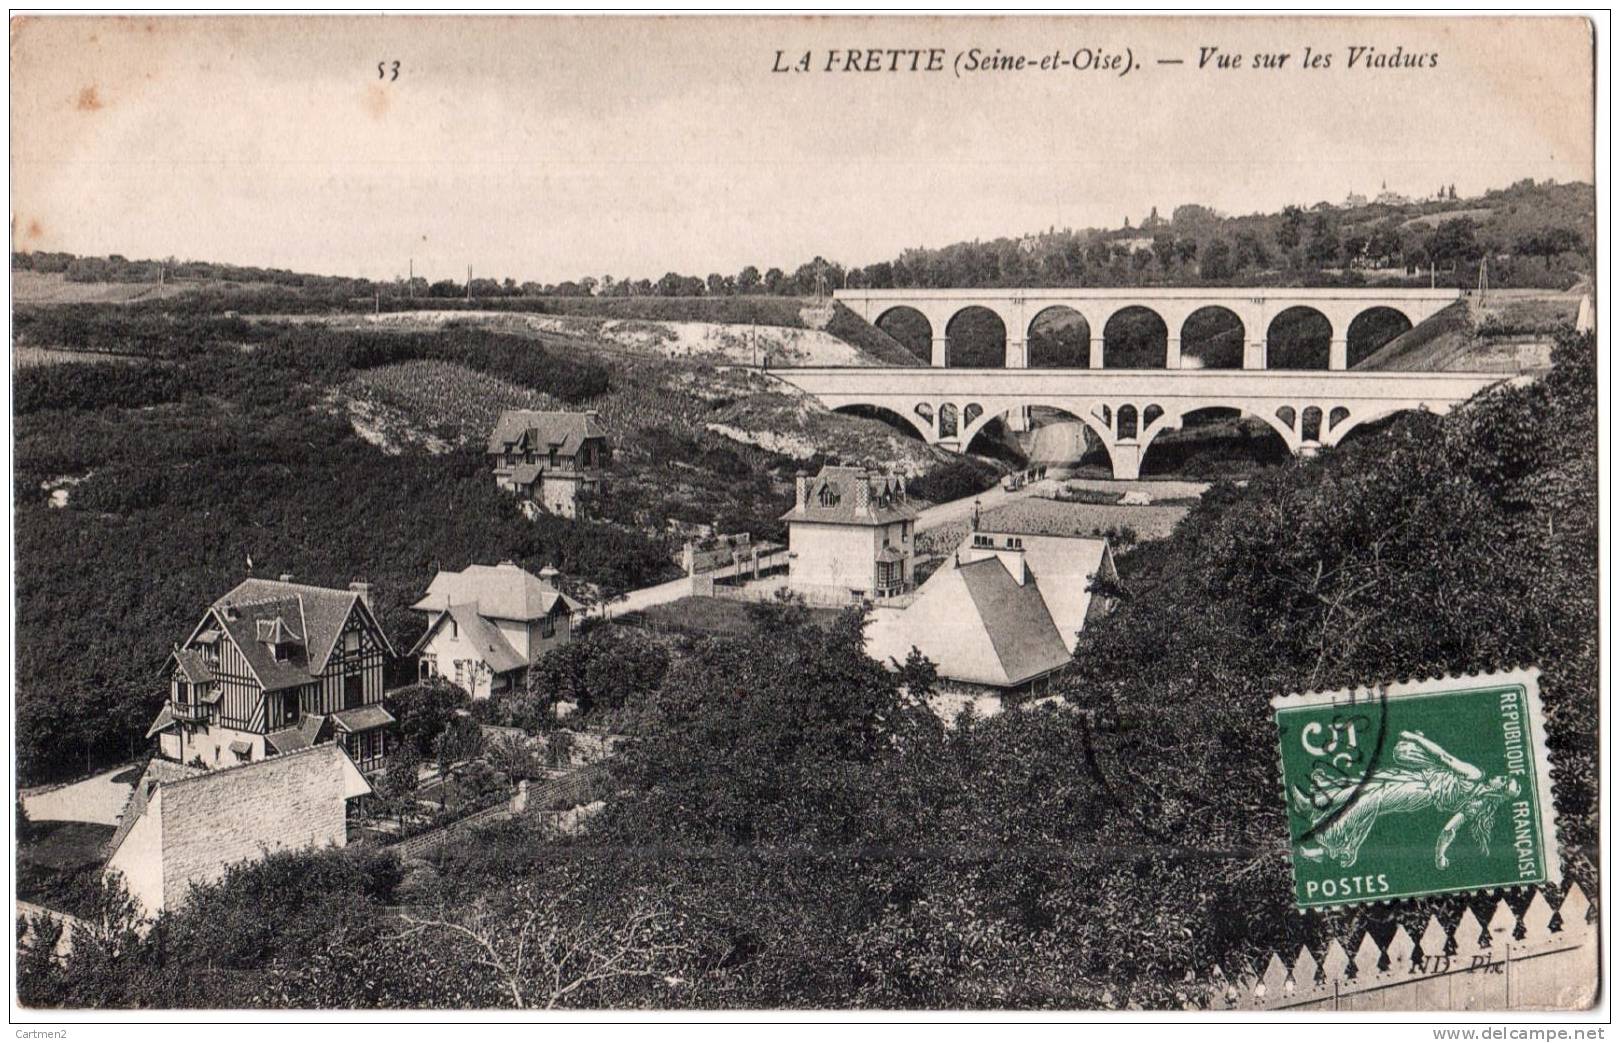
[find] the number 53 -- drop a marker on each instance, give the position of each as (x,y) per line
(385,68)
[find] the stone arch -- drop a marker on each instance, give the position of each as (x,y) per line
(971,412)
(1152,462)
(1371,329)
(1336,416)
(1135,337)
(1310,424)
(976,338)
(1127,426)
(1300,337)
(1213,338)
(1336,433)
(1059,337)
(1150,414)
(910,327)
(1098,428)
(917,423)
(925,410)
(949,425)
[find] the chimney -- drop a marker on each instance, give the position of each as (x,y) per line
(548,576)
(364,590)
(285,577)
(863,492)
(801,490)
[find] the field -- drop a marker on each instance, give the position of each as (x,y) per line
(54,288)
(1039,516)
(58,865)
(24,356)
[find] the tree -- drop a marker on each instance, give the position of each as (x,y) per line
(541,949)
(1164,249)
(461,741)
(1323,249)
(1249,251)
(1216,262)
(1289,231)
(398,782)
(1453,242)
(748,280)
(424,710)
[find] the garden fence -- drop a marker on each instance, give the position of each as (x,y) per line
(1521,963)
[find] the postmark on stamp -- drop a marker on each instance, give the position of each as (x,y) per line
(1418,788)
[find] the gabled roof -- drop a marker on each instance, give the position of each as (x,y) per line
(543,431)
(164,718)
(157,771)
(195,800)
(481,634)
(885,499)
(311,620)
(1064,566)
(192,666)
(362,718)
(309,730)
(1015,616)
(502,591)
(977,623)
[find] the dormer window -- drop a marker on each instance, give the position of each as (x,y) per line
(351,641)
(828,498)
(553,457)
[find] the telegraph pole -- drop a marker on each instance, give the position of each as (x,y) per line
(469,282)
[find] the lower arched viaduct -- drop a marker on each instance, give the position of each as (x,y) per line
(1127,409)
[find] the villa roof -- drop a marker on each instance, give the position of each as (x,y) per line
(999,614)
(502,591)
(1064,566)
(307,620)
(544,431)
(884,499)
(191,664)
(362,718)
(1015,615)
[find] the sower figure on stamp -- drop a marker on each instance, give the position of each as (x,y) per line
(1345,809)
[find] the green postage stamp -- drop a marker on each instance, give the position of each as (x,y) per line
(1417,788)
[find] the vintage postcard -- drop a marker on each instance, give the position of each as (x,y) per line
(814,516)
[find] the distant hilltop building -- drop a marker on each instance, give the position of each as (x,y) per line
(1353,200)
(275,666)
(488,624)
(850,536)
(549,458)
(1388,198)
(1004,612)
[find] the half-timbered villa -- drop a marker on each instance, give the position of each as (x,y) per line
(276,666)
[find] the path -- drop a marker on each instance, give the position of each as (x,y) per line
(96,799)
(674,590)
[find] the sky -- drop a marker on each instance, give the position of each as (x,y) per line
(552,148)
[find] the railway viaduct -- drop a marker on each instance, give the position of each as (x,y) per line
(1127,409)
(1256,308)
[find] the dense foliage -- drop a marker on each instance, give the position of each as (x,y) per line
(235,460)
(795,829)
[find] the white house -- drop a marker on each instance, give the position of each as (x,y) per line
(1005,611)
(850,536)
(487,624)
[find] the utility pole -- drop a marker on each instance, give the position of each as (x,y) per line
(410,283)
(469,282)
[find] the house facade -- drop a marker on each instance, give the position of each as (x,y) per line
(1005,612)
(185,825)
(549,459)
(275,666)
(851,536)
(487,624)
